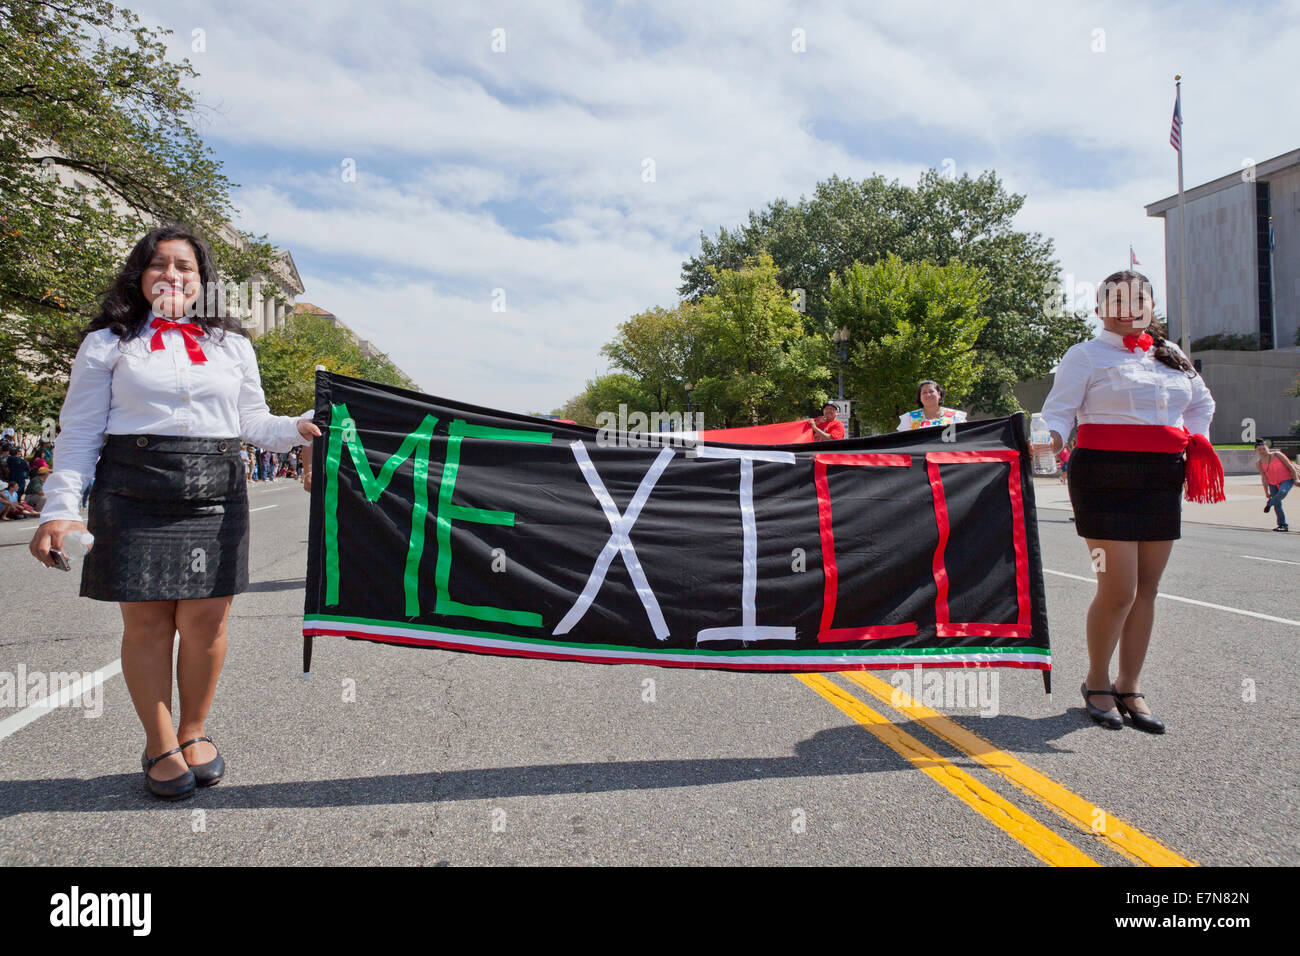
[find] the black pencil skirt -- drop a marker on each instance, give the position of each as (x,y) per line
(1127,495)
(170,520)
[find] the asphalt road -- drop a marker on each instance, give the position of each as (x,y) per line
(398,756)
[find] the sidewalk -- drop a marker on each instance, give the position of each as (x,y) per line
(1243,509)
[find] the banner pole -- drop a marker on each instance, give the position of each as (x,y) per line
(306,638)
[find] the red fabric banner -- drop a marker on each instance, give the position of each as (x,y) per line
(782,433)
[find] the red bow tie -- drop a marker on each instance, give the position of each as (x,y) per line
(189,330)
(1135,342)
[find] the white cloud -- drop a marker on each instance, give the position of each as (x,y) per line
(523,169)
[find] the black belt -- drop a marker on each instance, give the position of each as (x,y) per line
(174,444)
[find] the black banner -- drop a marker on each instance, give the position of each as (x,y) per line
(439,524)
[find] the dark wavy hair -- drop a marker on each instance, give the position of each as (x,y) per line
(125,310)
(1164,354)
(921,385)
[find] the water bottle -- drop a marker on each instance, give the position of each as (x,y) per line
(76,545)
(1040,434)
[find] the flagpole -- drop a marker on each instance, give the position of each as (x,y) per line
(1182,231)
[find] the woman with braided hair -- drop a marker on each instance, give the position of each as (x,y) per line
(1144,418)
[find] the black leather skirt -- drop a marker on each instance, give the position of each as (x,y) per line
(170,520)
(1127,495)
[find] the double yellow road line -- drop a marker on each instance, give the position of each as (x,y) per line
(1101,826)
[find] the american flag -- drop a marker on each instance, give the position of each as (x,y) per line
(1132,258)
(1176,129)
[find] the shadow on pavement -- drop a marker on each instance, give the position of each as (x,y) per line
(291,584)
(841,751)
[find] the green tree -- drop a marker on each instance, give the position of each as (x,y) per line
(743,348)
(661,349)
(759,363)
(288,358)
(604,394)
(84,88)
(941,220)
(907,321)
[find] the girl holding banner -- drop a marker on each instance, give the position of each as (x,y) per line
(158,401)
(1144,417)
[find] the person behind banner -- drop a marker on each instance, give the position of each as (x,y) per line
(929,395)
(158,400)
(828,427)
(1144,418)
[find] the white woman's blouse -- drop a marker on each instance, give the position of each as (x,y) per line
(1101,382)
(123,387)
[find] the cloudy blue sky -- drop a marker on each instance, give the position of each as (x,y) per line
(522,169)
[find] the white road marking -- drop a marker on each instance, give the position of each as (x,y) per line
(1274,560)
(1175,597)
(25,716)
(263,508)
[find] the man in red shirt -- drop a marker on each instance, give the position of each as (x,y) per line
(828,427)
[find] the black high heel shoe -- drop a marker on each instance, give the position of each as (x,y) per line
(1110,719)
(177,788)
(210,773)
(1148,722)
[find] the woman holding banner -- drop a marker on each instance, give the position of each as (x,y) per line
(1144,417)
(929,395)
(158,401)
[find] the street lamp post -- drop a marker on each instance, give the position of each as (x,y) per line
(841,340)
(690,406)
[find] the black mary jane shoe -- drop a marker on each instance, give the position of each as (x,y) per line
(1110,719)
(210,773)
(177,788)
(1148,722)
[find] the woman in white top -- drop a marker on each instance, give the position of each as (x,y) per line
(161,392)
(1144,418)
(929,395)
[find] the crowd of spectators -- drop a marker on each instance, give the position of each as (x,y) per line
(262,465)
(24,463)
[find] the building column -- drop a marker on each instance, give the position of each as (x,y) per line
(268,314)
(254,321)
(280,312)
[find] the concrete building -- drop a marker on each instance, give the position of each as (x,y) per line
(257,306)
(1243,254)
(1243,279)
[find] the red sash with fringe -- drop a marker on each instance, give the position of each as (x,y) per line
(1204,470)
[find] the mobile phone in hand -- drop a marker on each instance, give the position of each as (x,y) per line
(60,560)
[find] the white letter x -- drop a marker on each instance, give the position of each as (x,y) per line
(618,542)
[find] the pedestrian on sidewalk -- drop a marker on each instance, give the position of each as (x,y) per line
(158,401)
(1144,418)
(1278,473)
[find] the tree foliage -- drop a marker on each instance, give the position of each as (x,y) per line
(907,321)
(288,358)
(743,349)
(940,220)
(606,393)
(761,365)
(85,89)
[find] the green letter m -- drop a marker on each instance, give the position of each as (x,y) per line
(416,447)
